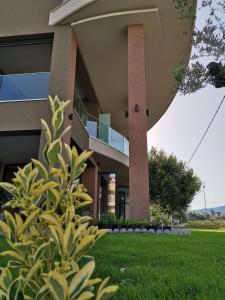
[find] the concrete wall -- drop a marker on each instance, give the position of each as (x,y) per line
(22,115)
(26,16)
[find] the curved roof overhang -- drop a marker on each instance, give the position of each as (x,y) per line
(101,31)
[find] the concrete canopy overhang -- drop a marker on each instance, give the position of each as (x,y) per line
(101,30)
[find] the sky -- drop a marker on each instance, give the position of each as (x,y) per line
(180,130)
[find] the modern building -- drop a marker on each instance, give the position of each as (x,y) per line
(113,60)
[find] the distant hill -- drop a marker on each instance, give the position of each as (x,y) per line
(216,209)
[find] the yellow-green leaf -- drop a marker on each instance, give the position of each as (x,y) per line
(83,157)
(3,295)
(12,254)
(27,169)
(29,220)
(57,285)
(80,279)
(69,152)
(56,102)
(46,130)
(10,188)
(5,278)
(85,296)
(57,119)
(107,292)
(41,169)
(81,195)
(45,153)
(52,105)
(85,219)
(11,222)
(5,229)
(84,246)
(54,149)
(74,152)
(83,204)
(64,104)
(22,248)
(100,233)
(14,289)
(69,215)
(19,223)
(68,239)
(58,237)
(43,188)
(42,293)
(33,286)
(102,286)
(32,271)
(92,282)
(63,165)
(40,251)
(47,217)
(54,196)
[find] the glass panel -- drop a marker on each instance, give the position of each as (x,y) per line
(92,128)
(116,140)
(24,86)
(98,129)
(80,109)
(126,147)
(103,132)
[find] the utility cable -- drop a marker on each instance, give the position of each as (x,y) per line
(206,131)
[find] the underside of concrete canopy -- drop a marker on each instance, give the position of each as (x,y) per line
(101,30)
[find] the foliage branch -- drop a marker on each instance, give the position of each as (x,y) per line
(206,65)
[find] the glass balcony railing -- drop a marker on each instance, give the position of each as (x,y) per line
(24,86)
(100,130)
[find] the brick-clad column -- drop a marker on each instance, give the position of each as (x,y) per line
(91,182)
(62,73)
(70,85)
(138,156)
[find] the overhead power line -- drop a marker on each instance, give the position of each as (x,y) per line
(206,131)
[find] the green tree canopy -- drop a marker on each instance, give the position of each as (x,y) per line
(172,184)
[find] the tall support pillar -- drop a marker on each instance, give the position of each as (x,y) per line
(62,74)
(91,182)
(138,155)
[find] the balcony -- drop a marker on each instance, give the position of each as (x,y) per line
(29,86)
(100,130)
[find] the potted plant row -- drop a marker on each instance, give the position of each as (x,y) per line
(109,221)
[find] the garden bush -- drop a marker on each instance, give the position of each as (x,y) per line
(109,220)
(47,240)
(207,224)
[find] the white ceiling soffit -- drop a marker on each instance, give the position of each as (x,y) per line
(64,10)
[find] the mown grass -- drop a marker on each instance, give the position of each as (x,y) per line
(150,267)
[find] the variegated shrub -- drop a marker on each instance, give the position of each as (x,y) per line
(48,240)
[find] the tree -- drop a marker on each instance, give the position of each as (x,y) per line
(172,184)
(206,65)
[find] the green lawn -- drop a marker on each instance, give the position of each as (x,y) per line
(164,267)
(161,266)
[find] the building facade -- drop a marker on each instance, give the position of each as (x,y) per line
(113,60)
